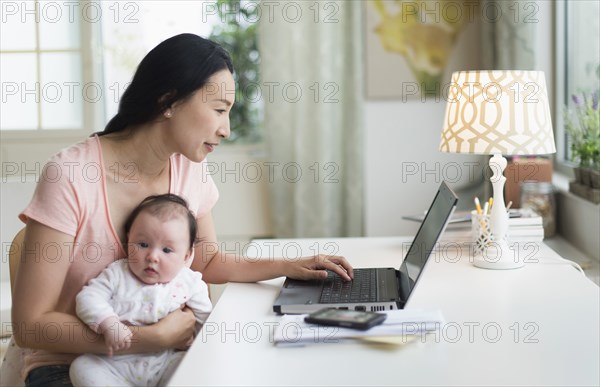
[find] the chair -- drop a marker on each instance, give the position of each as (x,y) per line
(12,358)
(14,257)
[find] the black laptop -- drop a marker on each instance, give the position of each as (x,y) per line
(373,289)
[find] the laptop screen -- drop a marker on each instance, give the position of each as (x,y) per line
(431,228)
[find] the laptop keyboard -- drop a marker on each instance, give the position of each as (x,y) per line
(363,288)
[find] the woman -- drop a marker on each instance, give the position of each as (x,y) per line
(173,114)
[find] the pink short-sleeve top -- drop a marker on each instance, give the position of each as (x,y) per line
(71,197)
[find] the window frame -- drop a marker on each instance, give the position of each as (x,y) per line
(562,53)
(91,71)
(562,164)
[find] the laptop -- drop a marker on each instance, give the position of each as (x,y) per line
(372,289)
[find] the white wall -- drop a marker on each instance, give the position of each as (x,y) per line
(403,165)
(242,211)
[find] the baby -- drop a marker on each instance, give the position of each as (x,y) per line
(153,281)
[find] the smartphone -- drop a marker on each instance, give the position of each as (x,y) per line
(346,318)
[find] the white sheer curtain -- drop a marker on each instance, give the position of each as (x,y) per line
(313,118)
(509,34)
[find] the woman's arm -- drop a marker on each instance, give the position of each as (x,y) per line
(38,324)
(40,278)
(220,267)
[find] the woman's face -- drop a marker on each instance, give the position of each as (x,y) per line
(198,124)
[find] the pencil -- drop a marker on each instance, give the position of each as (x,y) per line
(477,205)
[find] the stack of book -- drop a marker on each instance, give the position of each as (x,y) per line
(458,228)
(524,225)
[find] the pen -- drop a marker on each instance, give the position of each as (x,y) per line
(486,207)
(508,205)
(482,219)
(491,201)
(477,205)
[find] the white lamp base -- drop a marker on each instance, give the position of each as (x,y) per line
(498,256)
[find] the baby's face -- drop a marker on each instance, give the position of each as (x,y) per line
(157,249)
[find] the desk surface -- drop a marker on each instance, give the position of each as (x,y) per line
(538,325)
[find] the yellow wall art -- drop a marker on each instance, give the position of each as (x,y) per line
(412,47)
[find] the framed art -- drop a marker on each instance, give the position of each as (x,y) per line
(412,47)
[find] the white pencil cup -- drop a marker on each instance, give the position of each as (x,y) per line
(480,230)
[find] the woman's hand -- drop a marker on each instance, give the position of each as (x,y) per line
(177,329)
(315,267)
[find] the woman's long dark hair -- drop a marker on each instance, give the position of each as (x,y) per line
(171,72)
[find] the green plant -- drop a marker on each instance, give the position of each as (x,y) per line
(582,124)
(237,33)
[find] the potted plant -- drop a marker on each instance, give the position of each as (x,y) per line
(582,124)
(593,147)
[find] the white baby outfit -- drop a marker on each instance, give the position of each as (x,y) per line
(117,292)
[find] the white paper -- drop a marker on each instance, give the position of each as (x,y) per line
(292,329)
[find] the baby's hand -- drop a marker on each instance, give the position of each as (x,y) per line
(117,335)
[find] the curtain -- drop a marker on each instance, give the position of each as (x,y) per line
(508,34)
(311,70)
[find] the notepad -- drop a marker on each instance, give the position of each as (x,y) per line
(293,331)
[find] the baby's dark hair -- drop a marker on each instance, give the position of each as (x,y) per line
(166,207)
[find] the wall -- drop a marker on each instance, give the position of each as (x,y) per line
(403,135)
(404,167)
(242,178)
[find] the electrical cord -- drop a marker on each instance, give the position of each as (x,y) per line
(568,261)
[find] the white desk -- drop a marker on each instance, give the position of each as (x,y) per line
(538,325)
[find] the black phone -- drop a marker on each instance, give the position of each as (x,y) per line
(346,318)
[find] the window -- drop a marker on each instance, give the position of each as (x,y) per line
(72,60)
(133,29)
(136,27)
(44,82)
(237,33)
(578,59)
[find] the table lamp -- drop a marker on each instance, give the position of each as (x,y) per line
(498,113)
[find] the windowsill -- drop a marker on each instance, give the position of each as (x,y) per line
(560,181)
(578,219)
(590,266)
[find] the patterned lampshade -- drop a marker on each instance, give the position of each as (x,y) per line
(498,112)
